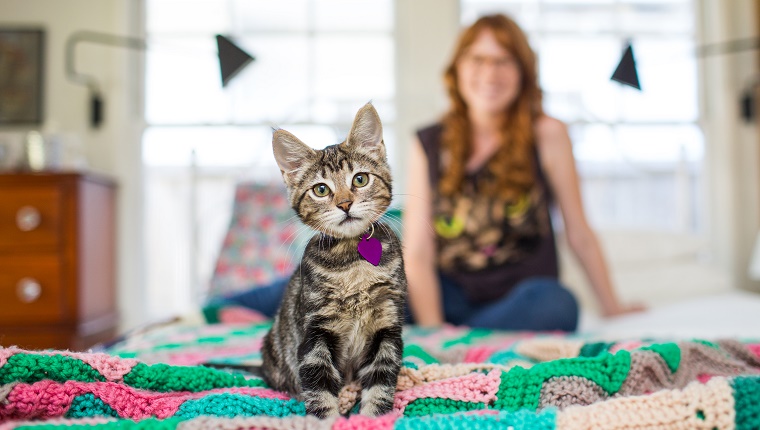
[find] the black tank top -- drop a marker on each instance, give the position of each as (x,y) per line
(486,244)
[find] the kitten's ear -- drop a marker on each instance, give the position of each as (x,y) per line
(290,153)
(367,131)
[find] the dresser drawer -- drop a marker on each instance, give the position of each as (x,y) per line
(42,337)
(31,290)
(30,218)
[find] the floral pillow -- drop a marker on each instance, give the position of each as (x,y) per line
(259,247)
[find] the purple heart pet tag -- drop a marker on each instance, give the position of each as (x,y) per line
(371,249)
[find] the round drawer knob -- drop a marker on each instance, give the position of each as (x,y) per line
(28,218)
(28,290)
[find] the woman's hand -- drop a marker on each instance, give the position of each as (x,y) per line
(618,309)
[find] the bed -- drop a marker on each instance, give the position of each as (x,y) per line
(690,366)
(197,375)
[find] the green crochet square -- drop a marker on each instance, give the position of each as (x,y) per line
(670,352)
(594,349)
(428,406)
(747,402)
(521,388)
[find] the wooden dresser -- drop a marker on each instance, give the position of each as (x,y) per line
(57,283)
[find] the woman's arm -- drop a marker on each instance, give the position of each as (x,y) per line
(419,243)
(558,164)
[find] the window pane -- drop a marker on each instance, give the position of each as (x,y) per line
(359,67)
(327,111)
(580,18)
(183,83)
(275,87)
(226,146)
(668,76)
(316,136)
(565,105)
(594,2)
(594,143)
(268,15)
(578,69)
(186,16)
(364,15)
(660,144)
(669,144)
(213,146)
(674,17)
(526,14)
(657,2)
(640,176)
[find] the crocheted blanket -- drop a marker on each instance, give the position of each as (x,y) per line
(453,378)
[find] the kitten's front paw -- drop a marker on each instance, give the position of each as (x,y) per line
(322,405)
(377,401)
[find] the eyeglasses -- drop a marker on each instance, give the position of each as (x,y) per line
(481,61)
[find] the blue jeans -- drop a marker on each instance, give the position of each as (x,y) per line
(265,300)
(539,304)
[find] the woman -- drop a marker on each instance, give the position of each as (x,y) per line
(483,179)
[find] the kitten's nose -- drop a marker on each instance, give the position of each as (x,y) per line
(345,205)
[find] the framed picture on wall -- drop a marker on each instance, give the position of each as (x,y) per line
(21,75)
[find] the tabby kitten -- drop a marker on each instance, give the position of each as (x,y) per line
(341,316)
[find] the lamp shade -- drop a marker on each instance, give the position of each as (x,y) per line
(626,73)
(232,59)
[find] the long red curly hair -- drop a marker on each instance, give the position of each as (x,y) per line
(512,166)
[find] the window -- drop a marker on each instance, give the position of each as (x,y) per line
(316,63)
(639,154)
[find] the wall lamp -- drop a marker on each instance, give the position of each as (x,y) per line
(232,60)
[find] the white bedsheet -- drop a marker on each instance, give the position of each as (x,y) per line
(728,314)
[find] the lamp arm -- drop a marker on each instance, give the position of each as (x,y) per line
(96,101)
(729,47)
(99,38)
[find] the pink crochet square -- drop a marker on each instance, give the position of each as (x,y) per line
(755,348)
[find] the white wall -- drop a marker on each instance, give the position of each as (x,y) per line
(732,156)
(113,149)
(425,34)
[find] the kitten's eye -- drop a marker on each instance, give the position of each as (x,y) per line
(361,179)
(321,190)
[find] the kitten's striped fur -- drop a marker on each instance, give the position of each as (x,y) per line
(341,317)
